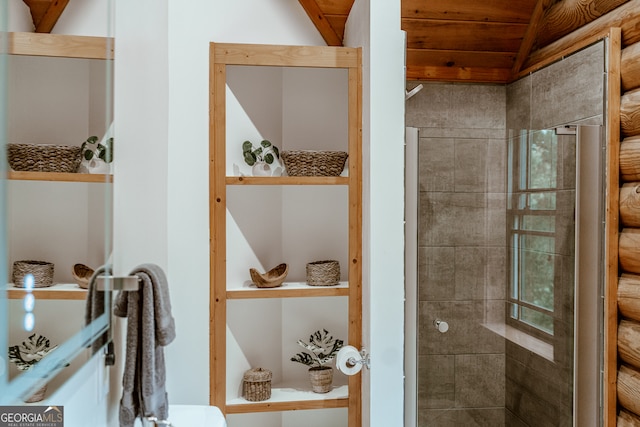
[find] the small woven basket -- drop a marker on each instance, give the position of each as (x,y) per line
(256,385)
(314,163)
(42,272)
(43,157)
(323,273)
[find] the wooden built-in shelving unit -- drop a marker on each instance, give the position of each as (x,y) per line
(285,395)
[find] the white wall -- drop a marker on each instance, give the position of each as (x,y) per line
(383,199)
(192,25)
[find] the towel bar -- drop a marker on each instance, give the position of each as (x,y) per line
(113,283)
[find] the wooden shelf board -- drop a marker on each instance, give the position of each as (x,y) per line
(60,45)
(58,291)
(287,180)
(59,176)
(287,398)
(288,290)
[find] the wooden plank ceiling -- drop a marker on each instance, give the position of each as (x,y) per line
(470,40)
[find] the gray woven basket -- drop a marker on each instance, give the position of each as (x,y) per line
(314,163)
(256,384)
(43,157)
(323,273)
(42,272)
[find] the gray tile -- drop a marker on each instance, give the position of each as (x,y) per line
(470,273)
(497,165)
(456,132)
(466,332)
(461,219)
(436,270)
(430,107)
(436,158)
(480,380)
(453,106)
(519,104)
(470,165)
(496,282)
(486,417)
(478,106)
(436,377)
(569,90)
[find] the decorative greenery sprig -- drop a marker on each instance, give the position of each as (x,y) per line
(322,349)
(91,148)
(266,152)
(30,351)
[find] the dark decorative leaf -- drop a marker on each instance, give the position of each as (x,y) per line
(268,158)
(247,146)
(88,154)
(249,158)
(265,143)
(92,139)
(276,151)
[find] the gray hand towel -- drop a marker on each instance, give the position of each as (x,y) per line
(150,327)
(94,307)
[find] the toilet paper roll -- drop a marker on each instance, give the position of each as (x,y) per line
(342,360)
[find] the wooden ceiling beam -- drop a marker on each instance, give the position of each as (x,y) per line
(469,10)
(45,13)
(530,35)
(568,15)
(463,35)
(318,18)
(457,58)
(458,74)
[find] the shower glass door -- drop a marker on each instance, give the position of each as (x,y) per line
(501,283)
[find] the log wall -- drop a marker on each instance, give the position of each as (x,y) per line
(627,359)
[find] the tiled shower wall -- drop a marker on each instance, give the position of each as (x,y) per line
(466,375)
(461,252)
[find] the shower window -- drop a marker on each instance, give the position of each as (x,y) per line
(532,186)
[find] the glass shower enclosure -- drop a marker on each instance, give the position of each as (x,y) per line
(508,278)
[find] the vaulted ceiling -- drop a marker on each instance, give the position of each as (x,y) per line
(470,40)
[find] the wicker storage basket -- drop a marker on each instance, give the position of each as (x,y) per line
(272,278)
(323,273)
(256,385)
(43,157)
(42,272)
(314,163)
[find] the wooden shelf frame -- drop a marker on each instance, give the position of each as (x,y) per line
(59,177)
(60,45)
(221,55)
(58,291)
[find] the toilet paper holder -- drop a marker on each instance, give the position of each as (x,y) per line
(364,360)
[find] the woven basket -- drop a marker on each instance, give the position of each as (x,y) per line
(321,379)
(256,385)
(272,278)
(323,273)
(43,157)
(314,163)
(42,272)
(81,274)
